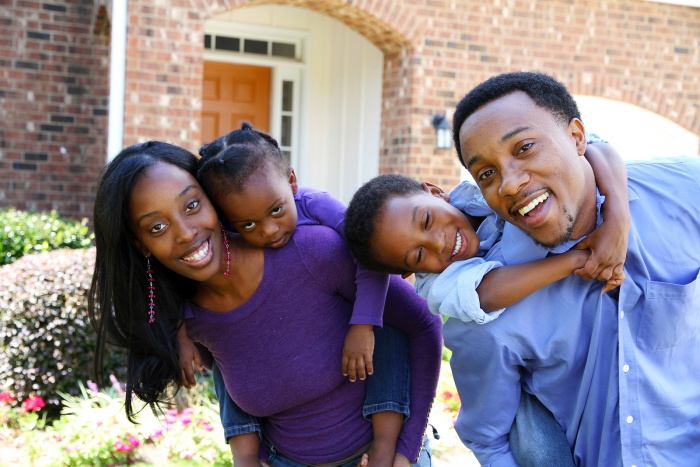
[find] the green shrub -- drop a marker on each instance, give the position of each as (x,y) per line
(46,341)
(24,232)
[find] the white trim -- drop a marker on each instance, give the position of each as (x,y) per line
(282,69)
(694,3)
(117,79)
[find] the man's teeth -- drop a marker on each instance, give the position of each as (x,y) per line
(458,244)
(533,203)
(199,254)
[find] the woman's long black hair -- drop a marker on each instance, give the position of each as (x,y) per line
(118,296)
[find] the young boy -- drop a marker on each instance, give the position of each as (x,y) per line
(395,224)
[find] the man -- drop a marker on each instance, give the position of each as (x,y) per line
(619,371)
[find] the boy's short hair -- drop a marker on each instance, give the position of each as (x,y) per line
(544,90)
(364,209)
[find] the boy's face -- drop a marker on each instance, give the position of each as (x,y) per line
(423,233)
(264,213)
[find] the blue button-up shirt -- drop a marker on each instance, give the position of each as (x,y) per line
(621,375)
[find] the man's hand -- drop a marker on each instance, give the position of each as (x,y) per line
(189,357)
(358,351)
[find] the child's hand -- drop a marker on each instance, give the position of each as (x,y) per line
(358,351)
(188,355)
(608,245)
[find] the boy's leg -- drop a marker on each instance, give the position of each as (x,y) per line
(536,438)
(387,399)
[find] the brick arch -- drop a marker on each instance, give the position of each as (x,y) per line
(638,93)
(385,23)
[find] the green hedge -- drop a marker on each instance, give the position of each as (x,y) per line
(46,341)
(24,232)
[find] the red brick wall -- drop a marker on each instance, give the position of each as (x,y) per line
(639,52)
(54,74)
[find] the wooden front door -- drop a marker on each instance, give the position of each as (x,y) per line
(233,93)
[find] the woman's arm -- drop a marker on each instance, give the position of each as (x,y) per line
(524,279)
(608,243)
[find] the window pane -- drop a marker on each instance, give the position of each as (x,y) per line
(287,95)
(207,41)
(286,139)
(228,43)
(280,49)
(255,47)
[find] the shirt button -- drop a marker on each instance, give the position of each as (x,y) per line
(630,419)
(625,368)
(622,314)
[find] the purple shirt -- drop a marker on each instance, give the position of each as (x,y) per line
(279,352)
(321,208)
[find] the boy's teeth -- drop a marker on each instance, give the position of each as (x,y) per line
(458,244)
(533,203)
(199,254)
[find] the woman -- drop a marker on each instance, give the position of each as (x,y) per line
(161,250)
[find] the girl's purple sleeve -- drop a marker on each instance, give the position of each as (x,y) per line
(408,312)
(323,208)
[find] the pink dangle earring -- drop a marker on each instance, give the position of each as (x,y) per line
(227,249)
(151,292)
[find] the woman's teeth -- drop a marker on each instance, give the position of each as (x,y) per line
(524,210)
(458,244)
(199,254)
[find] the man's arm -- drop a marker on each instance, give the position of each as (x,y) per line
(486,373)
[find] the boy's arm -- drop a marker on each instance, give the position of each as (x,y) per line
(524,279)
(608,243)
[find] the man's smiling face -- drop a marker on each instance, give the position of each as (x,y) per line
(529,168)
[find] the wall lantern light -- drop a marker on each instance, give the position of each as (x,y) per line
(443,130)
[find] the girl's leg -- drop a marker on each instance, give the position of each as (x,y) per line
(234,420)
(536,438)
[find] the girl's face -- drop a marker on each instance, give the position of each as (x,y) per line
(264,213)
(172,219)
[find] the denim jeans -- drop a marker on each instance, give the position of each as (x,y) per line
(276,459)
(387,389)
(536,438)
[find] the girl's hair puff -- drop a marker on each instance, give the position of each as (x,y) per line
(228,162)
(118,296)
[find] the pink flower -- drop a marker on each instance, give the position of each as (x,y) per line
(6,397)
(33,403)
(156,433)
(134,441)
(121,447)
(186,416)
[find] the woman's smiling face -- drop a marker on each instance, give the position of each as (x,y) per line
(172,219)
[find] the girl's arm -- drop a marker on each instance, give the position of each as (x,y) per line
(524,279)
(188,354)
(608,243)
(372,286)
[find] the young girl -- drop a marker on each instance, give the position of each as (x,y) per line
(246,175)
(396,225)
